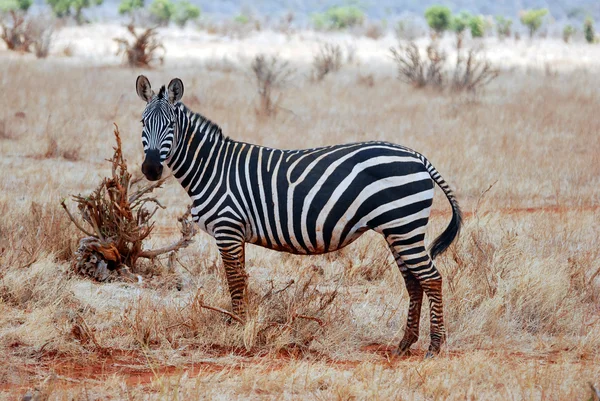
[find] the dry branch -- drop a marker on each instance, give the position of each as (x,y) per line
(119,221)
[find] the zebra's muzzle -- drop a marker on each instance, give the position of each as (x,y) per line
(152,167)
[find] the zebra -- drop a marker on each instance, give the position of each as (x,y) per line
(309,201)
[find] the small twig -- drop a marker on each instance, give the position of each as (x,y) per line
(223,311)
(315,319)
(75,221)
(476,213)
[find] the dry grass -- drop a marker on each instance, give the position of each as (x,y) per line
(522,285)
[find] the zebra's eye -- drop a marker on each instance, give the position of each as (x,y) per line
(171,124)
(142,121)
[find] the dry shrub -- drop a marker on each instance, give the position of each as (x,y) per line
(473,72)
(53,150)
(119,222)
(270,74)
(366,80)
(470,74)
(416,70)
(27,34)
(374,31)
(327,60)
(143,50)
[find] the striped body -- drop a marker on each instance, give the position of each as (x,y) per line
(308,201)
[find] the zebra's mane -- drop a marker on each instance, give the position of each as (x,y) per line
(208,126)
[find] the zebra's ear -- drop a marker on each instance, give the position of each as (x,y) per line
(175,90)
(143,88)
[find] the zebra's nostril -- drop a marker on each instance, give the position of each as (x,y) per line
(152,169)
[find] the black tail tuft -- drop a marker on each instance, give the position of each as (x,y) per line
(442,242)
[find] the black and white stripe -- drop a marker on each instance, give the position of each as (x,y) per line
(308,201)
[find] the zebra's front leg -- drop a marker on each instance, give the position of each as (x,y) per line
(231,249)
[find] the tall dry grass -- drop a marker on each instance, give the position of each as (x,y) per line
(522,285)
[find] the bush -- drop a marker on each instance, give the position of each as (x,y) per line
(588,30)
(142,52)
(533,19)
(473,72)
(269,75)
(503,26)
(329,59)
(477,26)
(568,32)
(184,12)
(162,11)
(66,8)
(417,71)
(339,17)
(438,18)
(26,34)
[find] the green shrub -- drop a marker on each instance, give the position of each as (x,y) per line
(503,26)
(477,26)
(533,19)
(588,30)
(339,17)
(184,12)
(568,32)
(66,8)
(129,6)
(242,19)
(438,18)
(459,22)
(15,5)
(162,10)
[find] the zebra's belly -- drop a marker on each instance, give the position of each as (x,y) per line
(312,249)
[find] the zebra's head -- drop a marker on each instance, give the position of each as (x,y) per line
(159,122)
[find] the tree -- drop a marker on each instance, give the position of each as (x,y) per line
(477,26)
(162,10)
(15,5)
(130,6)
(459,22)
(568,32)
(438,18)
(533,19)
(66,8)
(184,12)
(503,26)
(588,30)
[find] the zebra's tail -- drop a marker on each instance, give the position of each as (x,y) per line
(444,240)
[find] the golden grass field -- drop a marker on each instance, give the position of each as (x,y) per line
(522,283)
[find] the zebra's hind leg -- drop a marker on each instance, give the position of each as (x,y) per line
(415,292)
(412,256)
(231,249)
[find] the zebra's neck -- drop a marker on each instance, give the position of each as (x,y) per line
(196,141)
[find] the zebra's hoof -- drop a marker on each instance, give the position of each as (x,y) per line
(402,352)
(430,355)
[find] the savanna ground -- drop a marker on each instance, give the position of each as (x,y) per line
(522,284)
